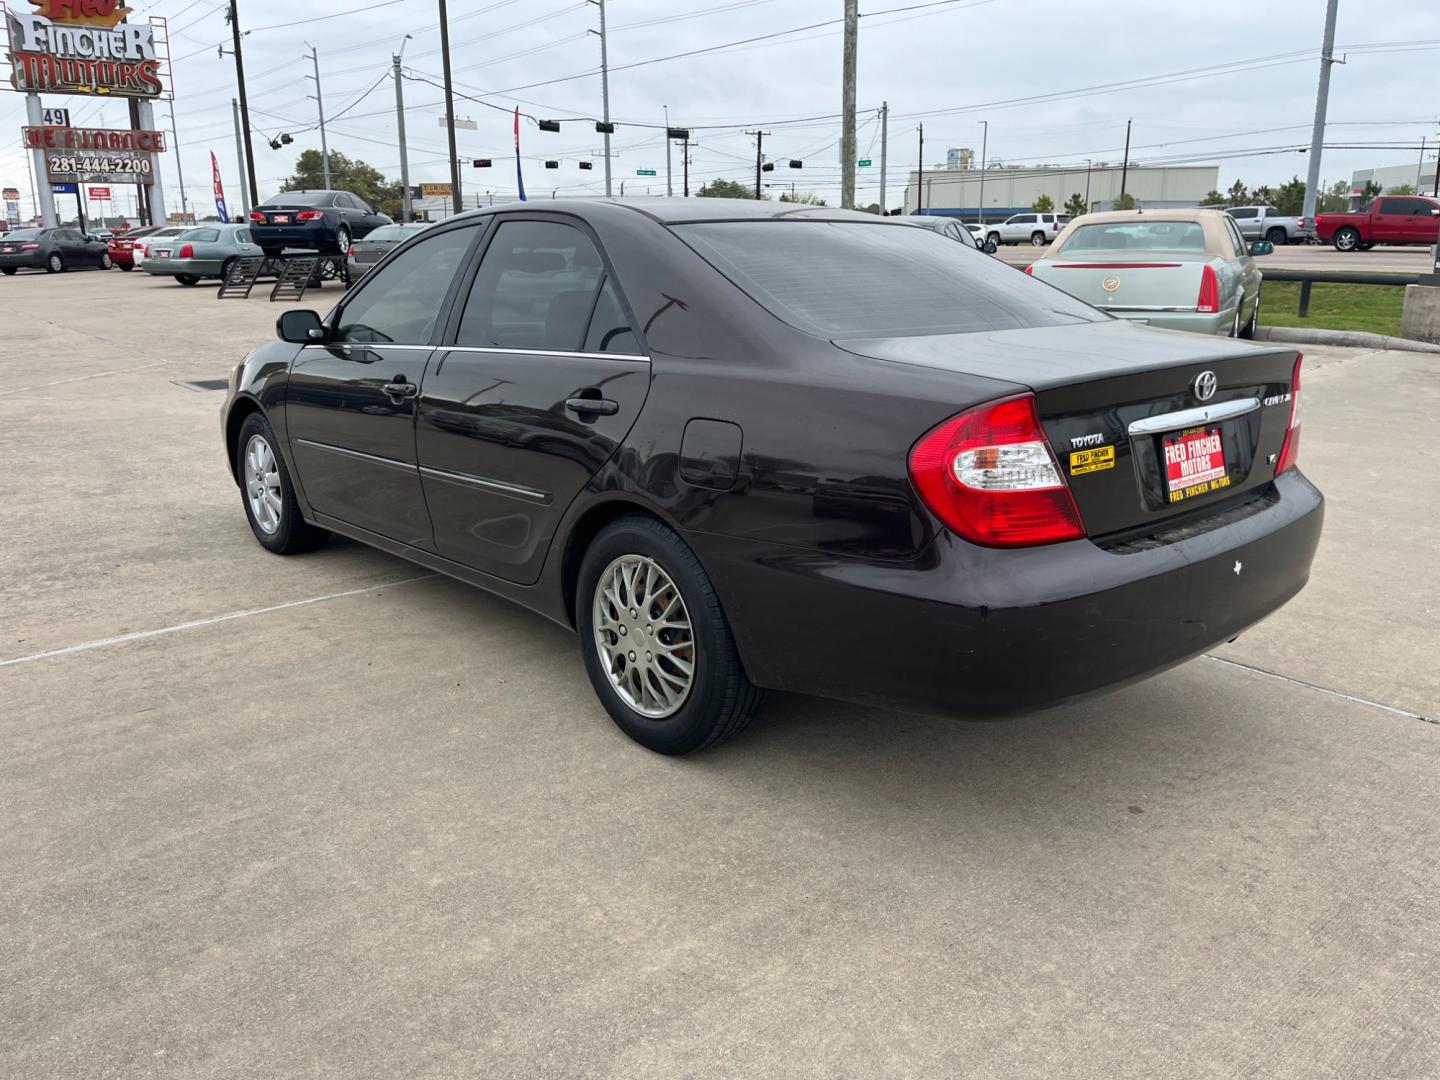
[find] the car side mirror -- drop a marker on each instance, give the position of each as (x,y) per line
(990,247)
(1435,211)
(1262,247)
(300,327)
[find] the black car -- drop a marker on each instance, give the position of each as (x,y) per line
(738,446)
(54,250)
(323,221)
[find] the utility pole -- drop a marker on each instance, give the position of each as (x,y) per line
(233,17)
(320,105)
(669,184)
(1087,184)
(1322,101)
(450,109)
(984,150)
(685,162)
(605,90)
(1125,164)
(405,204)
(240,153)
(884,143)
(847,109)
(1420,168)
(920,174)
(759,158)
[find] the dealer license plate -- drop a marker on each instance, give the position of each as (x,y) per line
(8,249)
(1194,463)
(161,253)
(280,219)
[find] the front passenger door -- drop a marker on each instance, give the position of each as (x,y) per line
(350,403)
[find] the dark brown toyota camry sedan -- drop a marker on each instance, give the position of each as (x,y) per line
(740,446)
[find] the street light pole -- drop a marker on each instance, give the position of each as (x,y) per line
(175,149)
(984,149)
(320,105)
(920,173)
(847,108)
(233,15)
(407,211)
(1322,100)
(669,184)
(239,149)
(884,142)
(605,91)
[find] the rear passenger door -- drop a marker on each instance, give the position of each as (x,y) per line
(1390,222)
(541,378)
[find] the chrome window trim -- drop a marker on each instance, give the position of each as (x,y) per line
(514,491)
(1146,307)
(343,451)
(1225,410)
(544,352)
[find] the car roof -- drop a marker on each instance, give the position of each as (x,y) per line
(676,211)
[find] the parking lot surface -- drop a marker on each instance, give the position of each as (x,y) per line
(334,816)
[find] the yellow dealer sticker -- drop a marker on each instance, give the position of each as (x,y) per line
(1093,460)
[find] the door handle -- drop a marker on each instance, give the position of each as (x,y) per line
(397,391)
(602,406)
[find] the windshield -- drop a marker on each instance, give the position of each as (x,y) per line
(853,279)
(1137,236)
(303,198)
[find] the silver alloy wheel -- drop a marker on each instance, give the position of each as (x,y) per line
(1037,239)
(106,262)
(643,636)
(262,484)
(1346,240)
(56,264)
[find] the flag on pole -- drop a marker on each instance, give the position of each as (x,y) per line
(219,190)
(519,176)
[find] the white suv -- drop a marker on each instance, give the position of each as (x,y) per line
(1038,229)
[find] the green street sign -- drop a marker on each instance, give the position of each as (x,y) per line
(644,172)
(864,163)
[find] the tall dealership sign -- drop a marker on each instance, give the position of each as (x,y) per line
(89,48)
(12,205)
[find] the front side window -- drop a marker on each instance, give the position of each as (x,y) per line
(536,288)
(838,279)
(1394,206)
(401,302)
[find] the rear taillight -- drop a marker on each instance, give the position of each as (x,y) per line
(1030,270)
(256,215)
(309,215)
(1209,299)
(185,252)
(29,247)
(989,475)
(1290,449)
(350,251)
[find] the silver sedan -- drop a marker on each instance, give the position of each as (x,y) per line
(366,252)
(204,252)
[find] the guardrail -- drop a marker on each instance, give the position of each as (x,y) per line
(1308,278)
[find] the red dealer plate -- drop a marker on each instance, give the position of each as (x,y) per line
(280,219)
(1194,463)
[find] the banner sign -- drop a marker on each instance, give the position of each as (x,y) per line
(103,140)
(84,47)
(519,176)
(434,191)
(101,193)
(219,190)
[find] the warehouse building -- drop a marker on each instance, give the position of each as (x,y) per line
(1420,177)
(1013,189)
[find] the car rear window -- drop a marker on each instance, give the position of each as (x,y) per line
(391,232)
(301,198)
(1137,236)
(25,234)
(853,279)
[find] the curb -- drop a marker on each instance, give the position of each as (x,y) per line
(1355,339)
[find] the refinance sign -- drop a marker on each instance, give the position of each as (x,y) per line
(82,47)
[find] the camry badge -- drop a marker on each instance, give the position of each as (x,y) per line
(1110,284)
(1205,384)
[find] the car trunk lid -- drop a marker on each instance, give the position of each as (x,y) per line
(1112,282)
(1121,407)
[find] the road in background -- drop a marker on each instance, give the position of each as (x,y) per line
(378,825)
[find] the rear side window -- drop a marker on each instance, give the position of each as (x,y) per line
(853,279)
(1243,213)
(610,327)
(536,288)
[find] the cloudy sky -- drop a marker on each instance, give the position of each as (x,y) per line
(1056,82)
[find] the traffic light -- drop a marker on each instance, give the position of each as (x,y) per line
(602,128)
(482,163)
(682,134)
(796,164)
(769,166)
(549,125)
(587,164)
(552,164)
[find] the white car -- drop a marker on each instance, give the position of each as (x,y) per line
(1036,229)
(143,244)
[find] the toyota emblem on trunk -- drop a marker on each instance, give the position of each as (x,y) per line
(1205,384)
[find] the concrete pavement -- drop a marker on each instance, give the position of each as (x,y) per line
(389,831)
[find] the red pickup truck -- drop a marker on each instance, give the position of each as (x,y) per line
(1390,219)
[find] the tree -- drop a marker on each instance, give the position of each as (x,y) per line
(1043,205)
(726,189)
(1290,197)
(1401,189)
(1238,195)
(1371,190)
(1334,199)
(1264,195)
(1124,202)
(356,177)
(1213,198)
(1075,205)
(806,197)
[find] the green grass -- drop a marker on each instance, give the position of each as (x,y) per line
(1375,308)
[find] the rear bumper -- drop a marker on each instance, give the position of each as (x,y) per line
(169,267)
(275,238)
(1217,323)
(33,260)
(969,631)
(122,258)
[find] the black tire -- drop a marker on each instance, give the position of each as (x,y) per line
(1037,239)
(106,263)
(55,264)
(1250,327)
(721,700)
(1277,236)
(294,534)
(1347,239)
(127,267)
(225,269)
(8,271)
(188,279)
(994,238)
(342,239)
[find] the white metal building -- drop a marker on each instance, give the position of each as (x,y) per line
(1013,189)
(1389,176)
